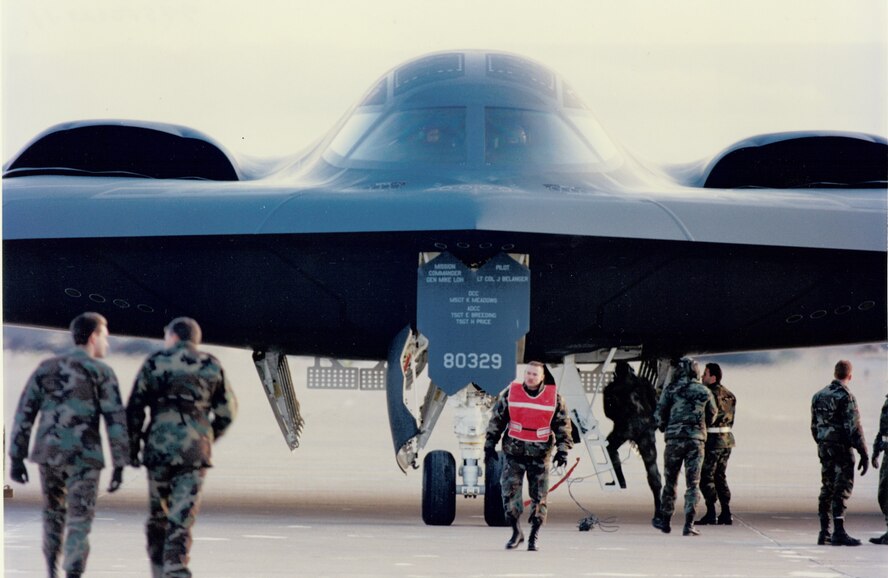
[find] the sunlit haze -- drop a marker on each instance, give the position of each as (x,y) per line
(674,81)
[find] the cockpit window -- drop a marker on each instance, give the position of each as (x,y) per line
(595,136)
(516,136)
(436,135)
(429,69)
(518,69)
(351,131)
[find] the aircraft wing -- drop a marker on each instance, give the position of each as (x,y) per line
(467,215)
(472,153)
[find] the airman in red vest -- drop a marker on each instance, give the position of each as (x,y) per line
(535,420)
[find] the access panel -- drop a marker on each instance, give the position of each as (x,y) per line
(473,319)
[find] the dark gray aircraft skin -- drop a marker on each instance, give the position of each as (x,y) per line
(318,255)
(464,160)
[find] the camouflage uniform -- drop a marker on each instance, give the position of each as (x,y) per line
(684,411)
(191,405)
(713,479)
(835,426)
(629,401)
(70,392)
(527,458)
(880,444)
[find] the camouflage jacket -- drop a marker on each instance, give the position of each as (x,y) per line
(880,444)
(835,419)
(499,421)
(630,400)
(725,403)
(70,392)
(685,410)
(191,405)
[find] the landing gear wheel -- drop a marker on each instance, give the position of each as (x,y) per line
(438,488)
(494,513)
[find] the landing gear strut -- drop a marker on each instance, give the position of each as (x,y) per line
(471,409)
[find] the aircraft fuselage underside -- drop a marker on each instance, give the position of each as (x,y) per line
(346,296)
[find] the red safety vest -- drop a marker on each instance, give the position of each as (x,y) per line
(530,418)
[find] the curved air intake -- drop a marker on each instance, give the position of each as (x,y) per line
(123,150)
(814,161)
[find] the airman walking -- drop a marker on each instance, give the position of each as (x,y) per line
(191,405)
(70,392)
(534,418)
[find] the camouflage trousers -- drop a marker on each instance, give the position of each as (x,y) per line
(678,451)
(69,499)
(512,480)
(883,487)
(713,477)
(836,478)
(647,447)
(174,501)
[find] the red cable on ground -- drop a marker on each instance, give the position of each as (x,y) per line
(559,482)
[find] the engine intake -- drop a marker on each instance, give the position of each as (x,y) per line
(802,160)
(121,149)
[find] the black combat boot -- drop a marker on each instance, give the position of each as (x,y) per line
(74,574)
(534,536)
(689,529)
(662,523)
(517,535)
(708,518)
(824,536)
(52,568)
(725,518)
(840,537)
(883,539)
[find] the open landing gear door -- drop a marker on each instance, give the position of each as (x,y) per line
(399,376)
(274,371)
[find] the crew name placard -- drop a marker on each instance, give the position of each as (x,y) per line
(473,319)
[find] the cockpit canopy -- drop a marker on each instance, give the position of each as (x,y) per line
(472,109)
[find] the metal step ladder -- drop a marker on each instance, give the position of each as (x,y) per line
(574,386)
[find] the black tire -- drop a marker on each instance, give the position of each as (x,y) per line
(494,513)
(438,488)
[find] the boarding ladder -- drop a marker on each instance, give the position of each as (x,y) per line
(574,386)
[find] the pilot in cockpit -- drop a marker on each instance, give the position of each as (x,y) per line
(434,142)
(431,135)
(415,135)
(516,136)
(507,144)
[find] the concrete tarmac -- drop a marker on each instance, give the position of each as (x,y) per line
(387,538)
(339,506)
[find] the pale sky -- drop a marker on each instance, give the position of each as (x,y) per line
(674,81)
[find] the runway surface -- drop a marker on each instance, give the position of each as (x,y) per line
(339,506)
(385,539)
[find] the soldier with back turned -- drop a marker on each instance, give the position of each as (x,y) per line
(71,392)
(685,410)
(191,406)
(835,426)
